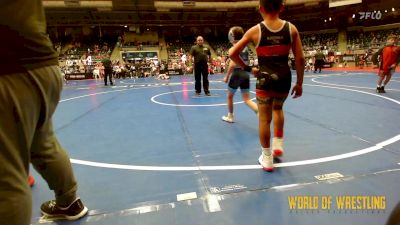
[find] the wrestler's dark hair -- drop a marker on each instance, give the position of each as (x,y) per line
(236,32)
(271,5)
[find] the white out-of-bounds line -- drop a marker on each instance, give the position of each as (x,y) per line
(339,85)
(97,93)
(342,156)
(376,147)
(239,167)
(364,92)
(162,168)
(343,85)
(100,93)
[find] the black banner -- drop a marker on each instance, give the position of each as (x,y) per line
(78,76)
(175,72)
(139,55)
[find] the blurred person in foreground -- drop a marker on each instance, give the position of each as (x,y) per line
(30,89)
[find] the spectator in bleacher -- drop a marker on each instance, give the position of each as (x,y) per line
(183,62)
(201,55)
(361,61)
(308,65)
(89,62)
(119,41)
(30,89)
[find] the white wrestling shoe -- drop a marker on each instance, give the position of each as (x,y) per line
(267,162)
(229,118)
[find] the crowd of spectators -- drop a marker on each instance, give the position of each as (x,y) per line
(82,59)
(328,42)
(78,58)
(357,40)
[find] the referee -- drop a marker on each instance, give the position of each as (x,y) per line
(319,60)
(202,56)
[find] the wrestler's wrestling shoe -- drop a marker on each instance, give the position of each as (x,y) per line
(229,118)
(266,161)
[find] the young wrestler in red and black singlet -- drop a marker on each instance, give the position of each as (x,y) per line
(273,51)
(273,38)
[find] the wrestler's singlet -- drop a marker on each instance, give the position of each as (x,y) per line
(245,55)
(241,78)
(272,52)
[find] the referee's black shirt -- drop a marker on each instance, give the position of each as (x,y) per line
(200,53)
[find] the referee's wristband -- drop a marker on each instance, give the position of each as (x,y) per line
(247,68)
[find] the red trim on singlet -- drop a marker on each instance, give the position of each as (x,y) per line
(263,93)
(273,50)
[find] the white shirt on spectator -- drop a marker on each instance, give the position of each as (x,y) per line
(89,60)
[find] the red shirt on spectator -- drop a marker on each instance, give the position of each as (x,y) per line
(389,58)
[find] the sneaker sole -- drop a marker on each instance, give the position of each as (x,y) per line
(268,169)
(65,217)
(227,121)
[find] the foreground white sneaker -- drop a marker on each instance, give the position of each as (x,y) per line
(267,162)
(228,118)
(277,147)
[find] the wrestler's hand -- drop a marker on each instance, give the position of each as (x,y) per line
(297,91)
(226,79)
(255,71)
